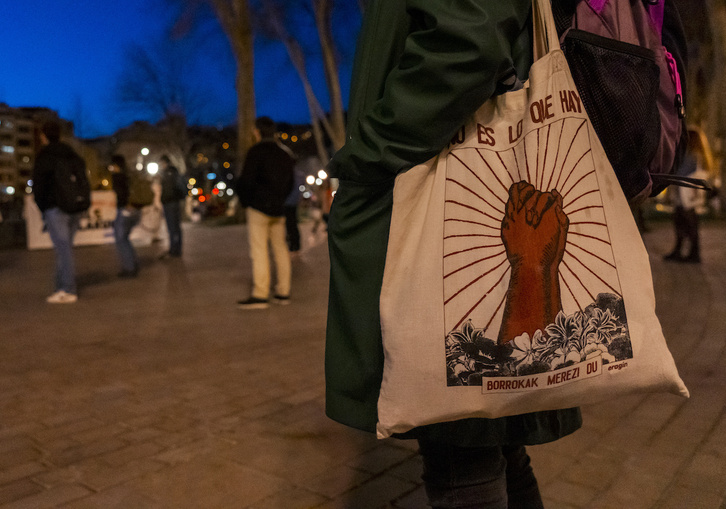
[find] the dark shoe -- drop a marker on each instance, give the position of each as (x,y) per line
(281,299)
(253,303)
(127,274)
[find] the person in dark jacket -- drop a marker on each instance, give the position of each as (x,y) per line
(422,68)
(127,216)
(173,191)
(262,188)
(61,225)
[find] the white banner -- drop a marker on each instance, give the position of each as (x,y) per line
(96,225)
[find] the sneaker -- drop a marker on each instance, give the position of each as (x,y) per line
(62,297)
(253,303)
(281,299)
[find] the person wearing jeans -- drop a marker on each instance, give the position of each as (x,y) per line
(127,217)
(61,223)
(62,228)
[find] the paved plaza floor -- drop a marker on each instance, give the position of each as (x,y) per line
(157,392)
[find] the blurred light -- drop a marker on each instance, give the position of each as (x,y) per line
(221,185)
(10,190)
(225,145)
(230,192)
(139,166)
(307,194)
(215,191)
(152,168)
(322,174)
(283,136)
(332,195)
(144,151)
(202,199)
(28,190)
(104,182)
(192,181)
(230,176)
(310,180)
(319,182)
(226,164)
(200,156)
(195,191)
(211,176)
(301,188)
(293,139)
(30,183)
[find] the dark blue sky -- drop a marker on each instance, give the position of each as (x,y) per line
(68,56)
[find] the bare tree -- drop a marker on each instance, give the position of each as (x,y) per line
(272,20)
(235,18)
(323,10)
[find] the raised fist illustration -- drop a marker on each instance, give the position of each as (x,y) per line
(534,233)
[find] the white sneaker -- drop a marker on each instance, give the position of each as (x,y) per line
(62,297)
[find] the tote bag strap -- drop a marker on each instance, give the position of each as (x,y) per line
(545,30)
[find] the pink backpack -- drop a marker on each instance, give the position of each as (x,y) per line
(627,57)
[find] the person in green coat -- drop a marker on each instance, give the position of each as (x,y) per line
(422,68)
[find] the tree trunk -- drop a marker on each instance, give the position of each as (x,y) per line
(235,18)
(323,10)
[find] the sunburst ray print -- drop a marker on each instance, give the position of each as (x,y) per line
(530,280)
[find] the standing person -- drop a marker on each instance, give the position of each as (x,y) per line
(265,183)
(127,216)
(291,205)
(61,224)
(173,191)
(687,201)
(422,68)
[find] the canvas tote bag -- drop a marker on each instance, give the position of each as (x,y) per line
(515,278)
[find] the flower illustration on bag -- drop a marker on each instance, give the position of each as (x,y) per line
(571,339)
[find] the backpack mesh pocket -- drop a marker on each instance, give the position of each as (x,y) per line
(618,83)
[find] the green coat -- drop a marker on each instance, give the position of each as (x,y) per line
(422,68)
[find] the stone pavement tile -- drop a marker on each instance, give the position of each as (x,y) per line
(417,499)
(293,498)
(706,472)
(375,494)
(593,469)
(409,470)
(118,497)
(131,453)
(381,458)
(18,489)
(570,493)
(655,410)
(219,483)
(66,429)
(680,497)
(104,432)
(337,480)
(24,453)
(79,452)
(634,490)
(7,433)
(48,499)
(292,459)
(21,471)
(99,476)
